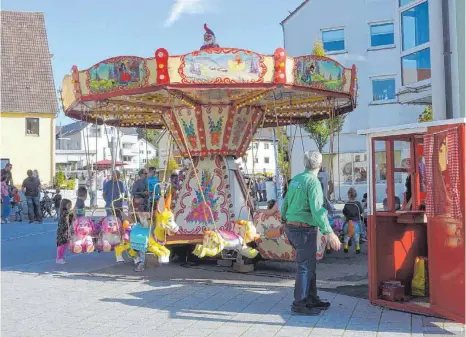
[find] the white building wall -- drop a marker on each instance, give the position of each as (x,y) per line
(355,16)
(260,158)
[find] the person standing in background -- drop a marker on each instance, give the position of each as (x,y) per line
(92,185)
(112,193)
(6,207)
(31,189)
(302,215)
(153,187)
(6,172)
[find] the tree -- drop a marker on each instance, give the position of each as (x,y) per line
(318,49)
(154,162)
(427,115)
(283,153)
(149,135)
(321,130)
(172,165)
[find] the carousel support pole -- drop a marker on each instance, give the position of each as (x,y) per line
(278,176)
(114,149)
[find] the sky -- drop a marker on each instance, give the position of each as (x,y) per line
(85,32)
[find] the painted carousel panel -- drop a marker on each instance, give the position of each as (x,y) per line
(118,73)
(221,65)
(319,73)
(204,203)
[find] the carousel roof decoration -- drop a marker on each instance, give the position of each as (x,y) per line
(133,91)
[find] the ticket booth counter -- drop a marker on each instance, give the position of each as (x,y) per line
(417,209)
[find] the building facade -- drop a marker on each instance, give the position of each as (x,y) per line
(260,156)
(370,39)
(432,55)
(79,144)
(28,99)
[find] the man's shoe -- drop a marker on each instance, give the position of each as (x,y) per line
(321,305)
(305,310)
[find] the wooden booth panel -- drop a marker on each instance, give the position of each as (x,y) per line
(398,245)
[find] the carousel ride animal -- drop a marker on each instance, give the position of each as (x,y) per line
(82,239)
(111,233)
(143,241)
(125,243)
(214,242)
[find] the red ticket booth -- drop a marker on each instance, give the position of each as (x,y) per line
(417,209)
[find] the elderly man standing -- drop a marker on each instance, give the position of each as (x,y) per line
(303,213)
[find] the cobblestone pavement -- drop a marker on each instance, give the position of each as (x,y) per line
(48,300)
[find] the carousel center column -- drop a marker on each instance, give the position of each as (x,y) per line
(212,193)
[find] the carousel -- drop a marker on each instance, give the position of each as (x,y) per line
(212,101)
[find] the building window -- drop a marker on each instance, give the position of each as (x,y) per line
(382,34)
(141,151)
(383,89)
(32,126)
(4,161)
(256,160)
(266,160)
(333,40)
(254,145)
(415,56)
(416,67)
(415,26)
(405,2)
(266,146)
(149,152)
(93,132)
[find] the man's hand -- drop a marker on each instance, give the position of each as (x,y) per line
(334,241)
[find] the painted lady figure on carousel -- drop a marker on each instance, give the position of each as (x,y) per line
(209,39)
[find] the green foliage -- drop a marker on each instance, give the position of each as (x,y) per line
(318,49)
(321,130)
(283,153)
(154,162)
(70,184)
(172,165)
(59,179)
(149,135)
(427,115)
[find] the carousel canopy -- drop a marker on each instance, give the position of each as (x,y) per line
(146,92)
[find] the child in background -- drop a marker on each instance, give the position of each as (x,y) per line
(17,206)
(79,208)
(57,201)
(63,229)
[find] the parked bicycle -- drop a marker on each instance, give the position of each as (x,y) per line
(47,206)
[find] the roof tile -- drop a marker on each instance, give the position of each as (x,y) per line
(27,76)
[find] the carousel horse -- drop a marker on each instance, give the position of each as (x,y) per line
(143,241)
(352,229)
(215,241)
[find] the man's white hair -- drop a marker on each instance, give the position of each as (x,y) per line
(312,160)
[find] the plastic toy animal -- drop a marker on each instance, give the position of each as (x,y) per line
(124,244)
(352,229)
(215,241)
(142,240)
(82,239)
(337,224)
(111,233)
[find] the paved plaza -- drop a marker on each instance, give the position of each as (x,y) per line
(94,297)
